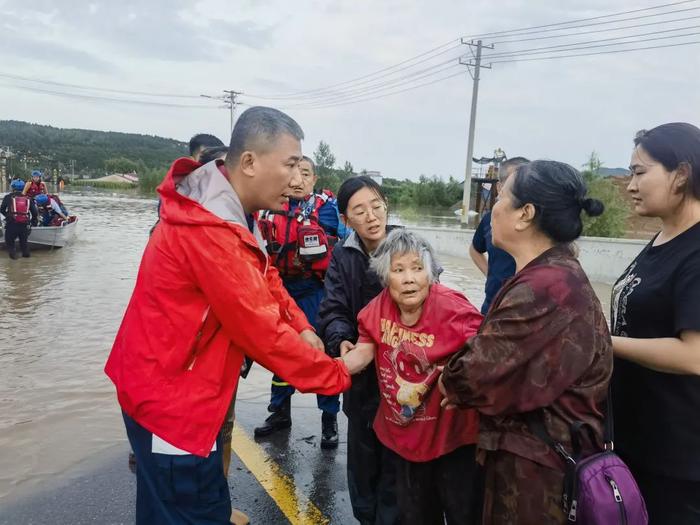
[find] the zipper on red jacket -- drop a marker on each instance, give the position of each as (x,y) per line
(197,337)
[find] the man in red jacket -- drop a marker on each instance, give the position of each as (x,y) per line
(205,297)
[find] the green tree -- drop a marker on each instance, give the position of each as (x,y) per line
(16,169)
(122,165)
(150,178)
(325,168)
(347,171)
(614,219)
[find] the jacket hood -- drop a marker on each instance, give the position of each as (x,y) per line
(196,194)
(353,241)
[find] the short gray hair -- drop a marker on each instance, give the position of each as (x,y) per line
(513,163)
(258,128)
(399,242)
(311,163)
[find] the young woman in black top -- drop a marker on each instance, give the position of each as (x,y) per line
(656,329)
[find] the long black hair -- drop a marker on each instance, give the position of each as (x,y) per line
(558,193)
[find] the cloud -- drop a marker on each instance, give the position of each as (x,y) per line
(172,31)
(558,109)
(25,49)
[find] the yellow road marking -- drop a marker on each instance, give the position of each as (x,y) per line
(298,509)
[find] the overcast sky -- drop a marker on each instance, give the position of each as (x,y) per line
(557,109)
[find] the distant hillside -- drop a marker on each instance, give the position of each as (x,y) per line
(613,172)
(89,149)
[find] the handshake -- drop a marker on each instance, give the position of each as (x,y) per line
(356,357)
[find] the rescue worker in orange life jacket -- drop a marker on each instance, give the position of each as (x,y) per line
(20,212)
(299,241)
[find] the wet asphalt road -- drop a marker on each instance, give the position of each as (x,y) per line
(101,489)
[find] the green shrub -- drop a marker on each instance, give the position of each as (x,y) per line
(613,221)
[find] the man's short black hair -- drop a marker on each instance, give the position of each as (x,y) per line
(203,140)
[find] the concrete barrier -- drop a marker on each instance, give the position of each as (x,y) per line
(603,259)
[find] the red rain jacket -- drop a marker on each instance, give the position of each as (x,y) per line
(205,296)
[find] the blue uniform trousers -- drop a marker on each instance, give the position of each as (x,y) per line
(307,293)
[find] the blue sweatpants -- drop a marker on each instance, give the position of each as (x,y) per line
(177,489)
(307,293)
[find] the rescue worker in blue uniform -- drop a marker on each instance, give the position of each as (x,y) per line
(299,241)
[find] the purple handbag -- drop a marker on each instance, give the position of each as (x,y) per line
(598,489)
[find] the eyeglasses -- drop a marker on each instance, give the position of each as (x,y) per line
(363,214)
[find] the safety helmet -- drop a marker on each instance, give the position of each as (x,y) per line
(36,173)
(42,198)
(17,185)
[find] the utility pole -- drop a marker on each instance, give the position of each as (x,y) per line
(230,100)
(476,64)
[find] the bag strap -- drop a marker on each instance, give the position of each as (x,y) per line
(535,423)
(609,426)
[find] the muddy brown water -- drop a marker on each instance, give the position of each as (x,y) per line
(60,311)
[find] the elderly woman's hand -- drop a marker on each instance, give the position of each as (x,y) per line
(345,347)
(358,357)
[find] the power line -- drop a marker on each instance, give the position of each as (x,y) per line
(417,75)
(342,99)
(596,53)
(94,88)
(365,79)
(434,52)
(386,94)
(611,29)
(611,21)
(105,99)
(600,17)
(563,48)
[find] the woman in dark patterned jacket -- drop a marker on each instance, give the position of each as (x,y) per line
(544,348)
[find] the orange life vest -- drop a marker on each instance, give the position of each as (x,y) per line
(35,188)
(295,240)
(20,209)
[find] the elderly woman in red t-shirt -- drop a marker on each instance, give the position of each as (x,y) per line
(413,327)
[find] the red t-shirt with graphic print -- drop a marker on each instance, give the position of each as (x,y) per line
(410,420)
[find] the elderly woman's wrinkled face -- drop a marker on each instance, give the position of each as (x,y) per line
(409,281)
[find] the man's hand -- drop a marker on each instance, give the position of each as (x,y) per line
(311,338)
(345,347)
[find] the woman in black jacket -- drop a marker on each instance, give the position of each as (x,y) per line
(350,285)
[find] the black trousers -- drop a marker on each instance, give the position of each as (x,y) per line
(371,476)
(14,231)
(669,501)
(448,489)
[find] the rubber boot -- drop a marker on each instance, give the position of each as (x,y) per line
(329,430)
(280,418)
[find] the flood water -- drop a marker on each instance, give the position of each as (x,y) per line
(60,312)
